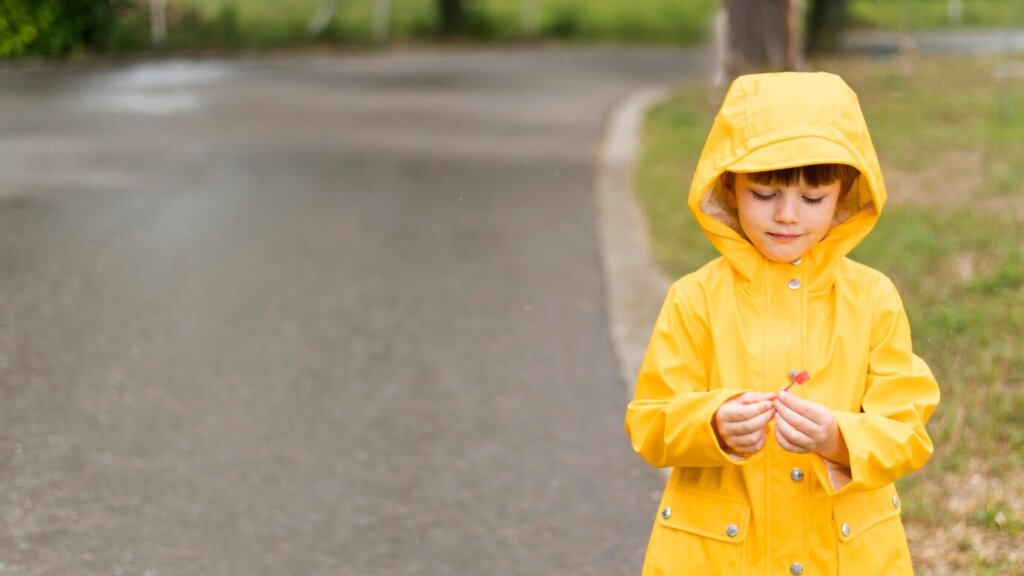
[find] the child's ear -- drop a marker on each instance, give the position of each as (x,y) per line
(726,181)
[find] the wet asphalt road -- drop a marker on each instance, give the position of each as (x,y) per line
(313,315)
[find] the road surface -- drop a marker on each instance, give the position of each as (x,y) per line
(308,315)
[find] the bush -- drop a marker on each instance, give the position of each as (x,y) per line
(63,27)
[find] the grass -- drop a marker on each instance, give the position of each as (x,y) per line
(269,22)
(931,14)
(952,239)
(227,24)
(272,22)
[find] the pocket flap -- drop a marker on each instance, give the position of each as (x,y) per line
(859,511)
(707,515)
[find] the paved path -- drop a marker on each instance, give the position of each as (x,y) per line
(963,41)
(319,315)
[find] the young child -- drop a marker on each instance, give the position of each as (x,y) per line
(766,481)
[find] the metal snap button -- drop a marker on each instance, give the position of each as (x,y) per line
(666,513)
(845,529)
(793,284)
(797,261)
(796,569)
(731,530)
(796,474)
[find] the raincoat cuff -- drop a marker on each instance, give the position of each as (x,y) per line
(836,478)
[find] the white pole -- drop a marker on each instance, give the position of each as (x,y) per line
(531,17)
(158,21)
(318,23)
(381,20)
(1008,73)
(955,11)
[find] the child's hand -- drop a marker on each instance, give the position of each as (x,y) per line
(740,422)
(803,427)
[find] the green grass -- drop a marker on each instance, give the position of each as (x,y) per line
(275,22)
(279,23)
(262,22)
(955,247)
(916,119)
(930,14)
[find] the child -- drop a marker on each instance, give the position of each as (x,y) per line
(766,481)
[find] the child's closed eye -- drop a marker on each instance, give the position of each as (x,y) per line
(771,196)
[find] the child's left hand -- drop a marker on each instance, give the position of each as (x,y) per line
(803,426)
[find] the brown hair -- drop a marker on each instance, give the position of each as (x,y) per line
(812,174)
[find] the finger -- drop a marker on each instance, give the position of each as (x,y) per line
(806,408)
(786,445)
(755,397)
(743,412)
(760,421)
(796,420)
(792,435)
(760,443)
(740,427)
(749,442)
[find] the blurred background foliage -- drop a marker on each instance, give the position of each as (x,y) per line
(69,27)
(61,27)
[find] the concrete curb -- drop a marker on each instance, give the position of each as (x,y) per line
(635,286)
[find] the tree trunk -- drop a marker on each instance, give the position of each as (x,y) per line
(452,17)
(825,24)
(761,35)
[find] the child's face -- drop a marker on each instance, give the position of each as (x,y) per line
(784,222)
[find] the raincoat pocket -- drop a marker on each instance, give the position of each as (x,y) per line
(870,534)
(698,533)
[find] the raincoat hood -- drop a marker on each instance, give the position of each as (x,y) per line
(783,120)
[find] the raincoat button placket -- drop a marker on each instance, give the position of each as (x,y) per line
(794,283)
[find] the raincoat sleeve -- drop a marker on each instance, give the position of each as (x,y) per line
(887,438)
(669,419)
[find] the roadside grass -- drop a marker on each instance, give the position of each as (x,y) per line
(952,238)
(270,22)
(930,14)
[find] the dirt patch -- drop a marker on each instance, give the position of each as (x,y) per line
(957,183)
(961,542)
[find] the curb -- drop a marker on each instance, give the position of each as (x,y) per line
(635,286)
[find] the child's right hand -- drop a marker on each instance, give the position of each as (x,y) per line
(740,422)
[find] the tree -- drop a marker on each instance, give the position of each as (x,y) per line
(452,17)
(825,23)
(61,27)
(759,35)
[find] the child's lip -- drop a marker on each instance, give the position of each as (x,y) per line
(784,237)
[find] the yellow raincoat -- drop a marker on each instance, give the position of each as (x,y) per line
(743,322)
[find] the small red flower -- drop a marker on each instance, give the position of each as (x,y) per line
(797,378)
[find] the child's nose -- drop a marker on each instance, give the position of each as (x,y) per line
(787,211)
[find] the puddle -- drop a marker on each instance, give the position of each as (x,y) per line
(152,102)
(152,89)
